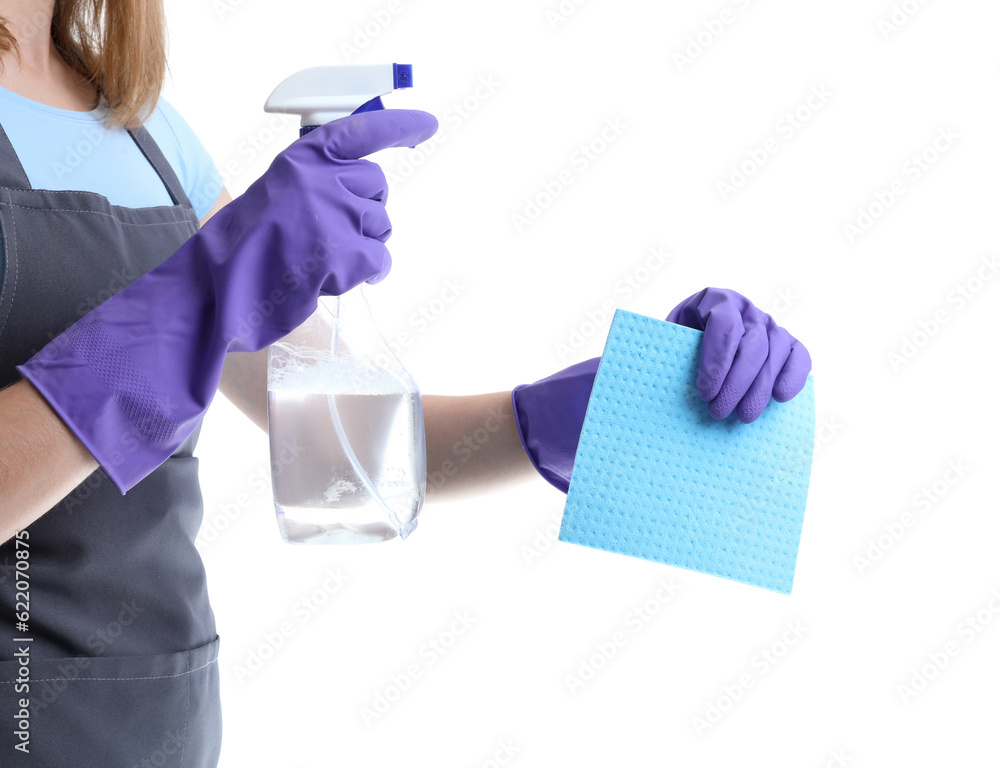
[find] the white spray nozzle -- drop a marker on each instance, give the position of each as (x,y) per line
(322,94)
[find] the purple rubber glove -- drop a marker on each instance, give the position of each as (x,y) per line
(134,377)
(746,358)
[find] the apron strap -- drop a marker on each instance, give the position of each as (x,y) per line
(156,159)
(11,172)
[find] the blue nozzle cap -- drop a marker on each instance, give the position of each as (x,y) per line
(402,75)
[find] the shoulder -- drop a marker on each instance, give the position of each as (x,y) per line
(187,156)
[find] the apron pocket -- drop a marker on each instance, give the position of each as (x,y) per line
(116,711)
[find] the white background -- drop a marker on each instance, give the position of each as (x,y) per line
(887,430)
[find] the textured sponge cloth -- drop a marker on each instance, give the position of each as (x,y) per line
(656,477)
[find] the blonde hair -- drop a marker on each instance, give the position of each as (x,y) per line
(119,46)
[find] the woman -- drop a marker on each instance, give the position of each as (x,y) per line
(123,308)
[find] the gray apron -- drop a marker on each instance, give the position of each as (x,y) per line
(123,652)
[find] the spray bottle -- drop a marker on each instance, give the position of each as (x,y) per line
(345,420)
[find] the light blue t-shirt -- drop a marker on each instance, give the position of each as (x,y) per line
(65,149)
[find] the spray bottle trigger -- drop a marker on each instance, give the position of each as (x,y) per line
(370,106)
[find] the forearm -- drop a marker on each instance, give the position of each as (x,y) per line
(41,460)
(244,383)
(472,442)
(472,446)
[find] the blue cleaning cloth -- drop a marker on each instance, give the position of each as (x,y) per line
(656,477)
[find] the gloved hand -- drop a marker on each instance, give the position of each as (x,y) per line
(134,377)
(746,358)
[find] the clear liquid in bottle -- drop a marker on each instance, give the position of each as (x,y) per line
(346,430)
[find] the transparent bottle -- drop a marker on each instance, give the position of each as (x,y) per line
(346,430)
